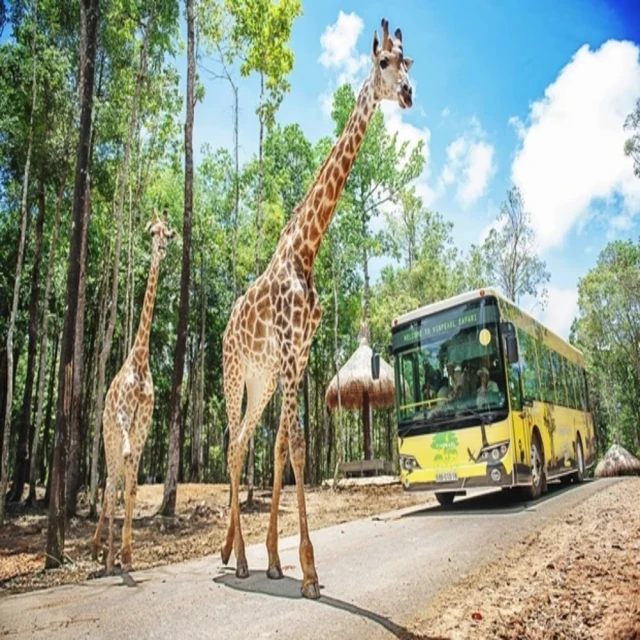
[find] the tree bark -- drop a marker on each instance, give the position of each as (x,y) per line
(45,318)
(21,468)
(56,528)
(77,405)
(4,464)
(171,485)
(47,455)
(113,311)
(366,424)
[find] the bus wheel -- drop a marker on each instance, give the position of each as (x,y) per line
(538,479)
(445,499)
(578,476)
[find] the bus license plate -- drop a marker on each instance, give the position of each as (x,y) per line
(449,476)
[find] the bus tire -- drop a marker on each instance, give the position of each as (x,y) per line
(538,479)
(445,499)
(578,476)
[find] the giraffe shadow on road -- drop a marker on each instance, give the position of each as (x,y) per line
(289,588)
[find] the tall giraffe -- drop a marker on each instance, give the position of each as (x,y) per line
(129,407)
(271,326)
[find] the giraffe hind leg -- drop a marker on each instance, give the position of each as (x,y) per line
(259,390)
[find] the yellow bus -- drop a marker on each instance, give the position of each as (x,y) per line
(486,396)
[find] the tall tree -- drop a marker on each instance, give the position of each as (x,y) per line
(57,507)
(171,484)
(4,467)
(512,254)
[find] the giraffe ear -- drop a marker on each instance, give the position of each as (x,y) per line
(408,63)
(398,34)
(165,215)
(376,46)
(171,234)
(148,227)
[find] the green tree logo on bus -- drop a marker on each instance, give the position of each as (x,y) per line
(446,444)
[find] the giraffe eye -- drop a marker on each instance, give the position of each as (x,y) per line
(384,63)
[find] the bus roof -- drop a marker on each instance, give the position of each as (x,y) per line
(474,295)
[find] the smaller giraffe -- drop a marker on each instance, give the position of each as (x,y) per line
(129,407)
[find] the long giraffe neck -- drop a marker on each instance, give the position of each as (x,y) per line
(141,344)
(320,203)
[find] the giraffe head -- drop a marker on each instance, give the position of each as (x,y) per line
(391,67)
(160,232)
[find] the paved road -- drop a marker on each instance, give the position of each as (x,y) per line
(375,575)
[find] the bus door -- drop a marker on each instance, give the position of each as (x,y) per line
(522,410)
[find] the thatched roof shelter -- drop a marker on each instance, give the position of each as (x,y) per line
(617,462)
(358,389)
(356,381)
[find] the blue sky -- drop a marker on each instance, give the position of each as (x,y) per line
(532,93)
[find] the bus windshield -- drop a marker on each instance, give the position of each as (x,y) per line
(449,367)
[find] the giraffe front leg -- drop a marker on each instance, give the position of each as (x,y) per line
(130,493)
(110,490)
(97,538)
(310,586)
(280,454)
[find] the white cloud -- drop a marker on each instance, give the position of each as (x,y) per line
(570,155)
(561,309)
(470,164)
(446,112)
(339,53)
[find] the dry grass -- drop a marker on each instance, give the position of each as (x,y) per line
(576,579)
(197,530)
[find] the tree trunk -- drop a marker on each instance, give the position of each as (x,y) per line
(4,464)
(47,450)
(45,318)
(171,485)
(56,528)
(366,425)
(21,469)
(198,404)
(113,312)
(77,404)
(339,432)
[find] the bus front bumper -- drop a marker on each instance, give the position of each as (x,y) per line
(496,475)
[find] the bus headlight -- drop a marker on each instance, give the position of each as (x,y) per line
(494,452)
(408,463)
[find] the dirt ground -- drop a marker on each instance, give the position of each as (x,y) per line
(576,579)
(197,530)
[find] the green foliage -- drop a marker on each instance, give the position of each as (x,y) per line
(608,331)
(259,38)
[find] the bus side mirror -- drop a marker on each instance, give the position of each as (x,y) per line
(508,330)
(375,365)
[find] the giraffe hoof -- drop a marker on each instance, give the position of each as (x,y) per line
(224,556)
(242,570)
(311,590)
(275,573)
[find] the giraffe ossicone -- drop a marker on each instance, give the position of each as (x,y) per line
(271,326)
(129,408)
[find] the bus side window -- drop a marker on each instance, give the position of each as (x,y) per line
(574,394)
(582,382)
(529,367)
(546,374)
(561,379)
